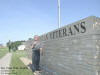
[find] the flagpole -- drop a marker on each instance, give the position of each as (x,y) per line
(58,13)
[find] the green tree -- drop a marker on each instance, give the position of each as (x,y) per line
(14,45)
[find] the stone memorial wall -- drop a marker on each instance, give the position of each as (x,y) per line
(71,50)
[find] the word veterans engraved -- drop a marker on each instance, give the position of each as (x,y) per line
(66,31)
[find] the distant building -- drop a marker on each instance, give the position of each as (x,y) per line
(1,45)
(21,47)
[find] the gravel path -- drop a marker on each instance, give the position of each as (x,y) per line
(5,64)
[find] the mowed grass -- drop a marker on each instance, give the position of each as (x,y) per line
(3,51)
(17,66)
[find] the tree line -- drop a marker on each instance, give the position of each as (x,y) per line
(14,45)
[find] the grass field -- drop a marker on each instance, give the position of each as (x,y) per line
(3,51)
(18,68)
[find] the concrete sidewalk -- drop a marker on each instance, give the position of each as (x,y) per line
(5,64)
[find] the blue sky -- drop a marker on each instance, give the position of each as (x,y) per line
(22,19)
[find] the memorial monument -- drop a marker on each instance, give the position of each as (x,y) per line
(71,50)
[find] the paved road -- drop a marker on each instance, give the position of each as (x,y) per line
(5,64)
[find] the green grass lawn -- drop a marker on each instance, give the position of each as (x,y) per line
(3,51)
(18,67)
